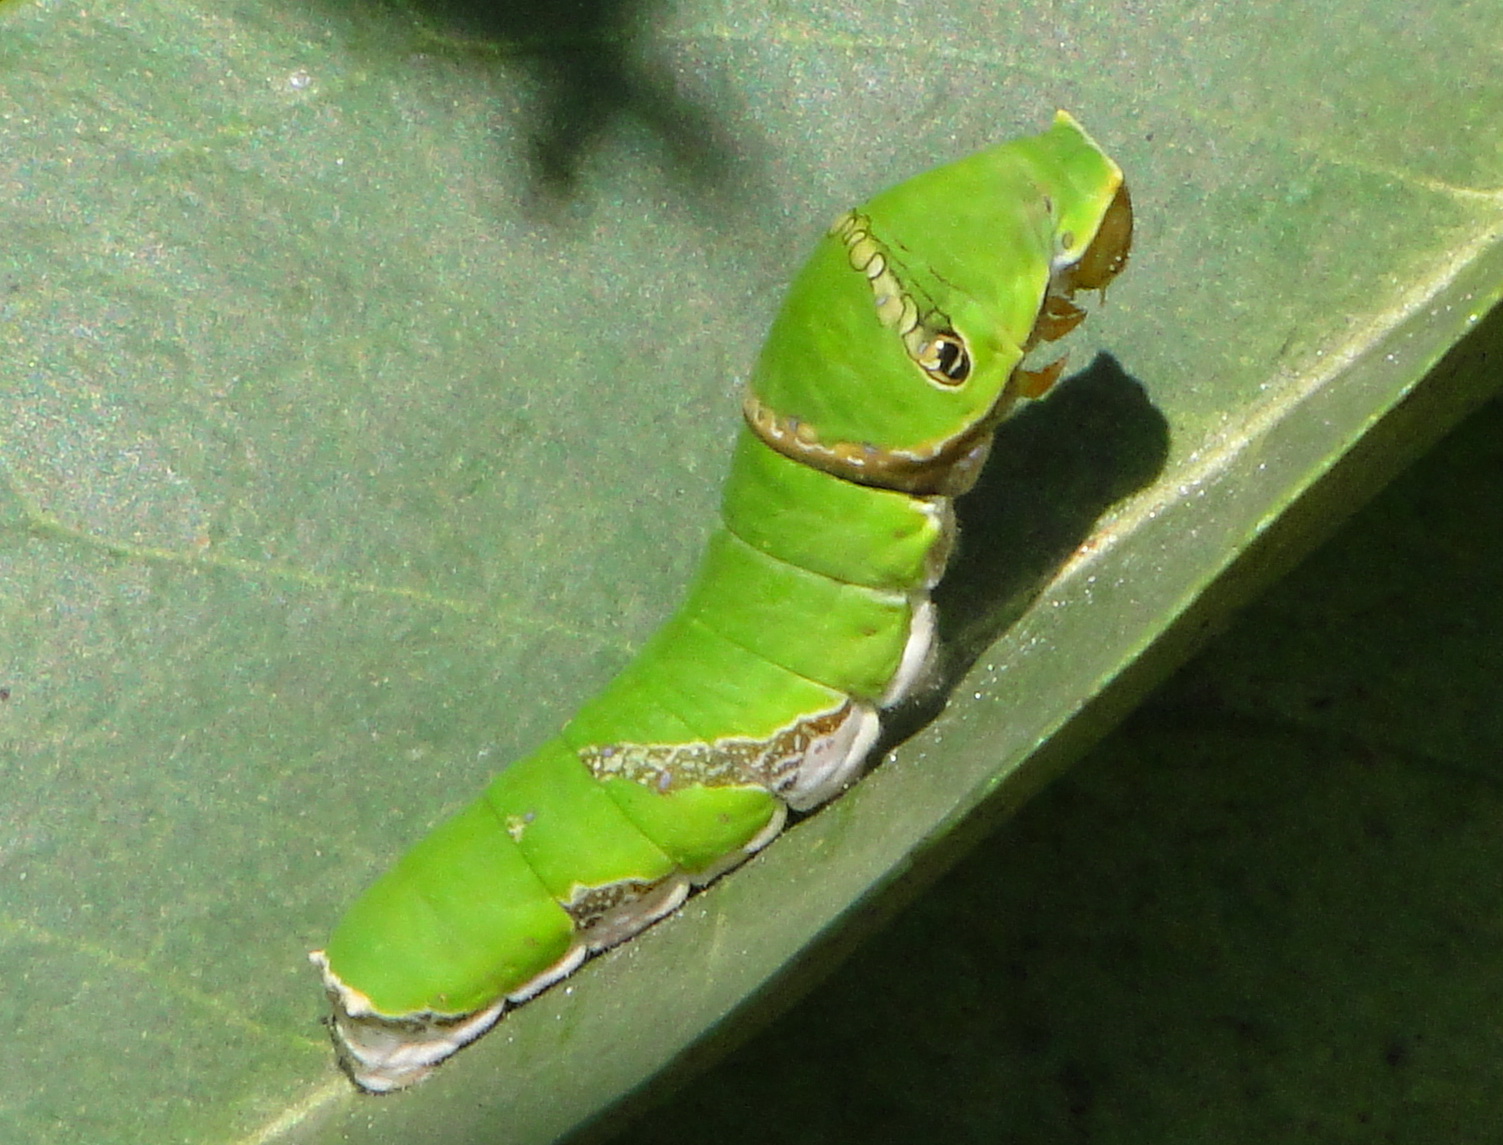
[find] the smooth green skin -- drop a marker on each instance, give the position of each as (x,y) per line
(975,238)
(804,600)
(758,643)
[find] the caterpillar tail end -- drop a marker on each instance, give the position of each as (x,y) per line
(384,1054)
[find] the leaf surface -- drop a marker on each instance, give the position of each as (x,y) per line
(368,378)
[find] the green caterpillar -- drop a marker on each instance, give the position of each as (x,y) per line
(899,348)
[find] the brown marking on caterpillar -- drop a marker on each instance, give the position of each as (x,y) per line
(771,763)
(920,331)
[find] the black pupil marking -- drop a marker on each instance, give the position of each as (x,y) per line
(950,361)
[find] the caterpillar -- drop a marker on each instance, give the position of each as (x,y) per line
(899,347)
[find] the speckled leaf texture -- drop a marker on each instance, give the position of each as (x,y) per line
(367,374)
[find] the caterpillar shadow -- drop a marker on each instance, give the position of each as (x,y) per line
(1055,468)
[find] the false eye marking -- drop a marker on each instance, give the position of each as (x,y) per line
(945,358)
(933,345)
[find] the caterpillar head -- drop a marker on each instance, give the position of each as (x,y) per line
(902,342)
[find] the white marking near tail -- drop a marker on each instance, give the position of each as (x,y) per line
(636,915)
(833,762)
(383,1054)
(917,654)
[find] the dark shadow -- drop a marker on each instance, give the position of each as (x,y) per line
(591,78)
(1054,469)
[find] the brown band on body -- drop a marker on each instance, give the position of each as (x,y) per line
(924,473)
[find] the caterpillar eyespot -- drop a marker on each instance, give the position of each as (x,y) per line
(946,359)
(809,617)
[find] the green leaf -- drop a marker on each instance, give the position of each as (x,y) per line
(1264,908)
(368,377)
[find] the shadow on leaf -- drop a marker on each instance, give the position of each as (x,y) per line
(1055,468)
(592,78)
